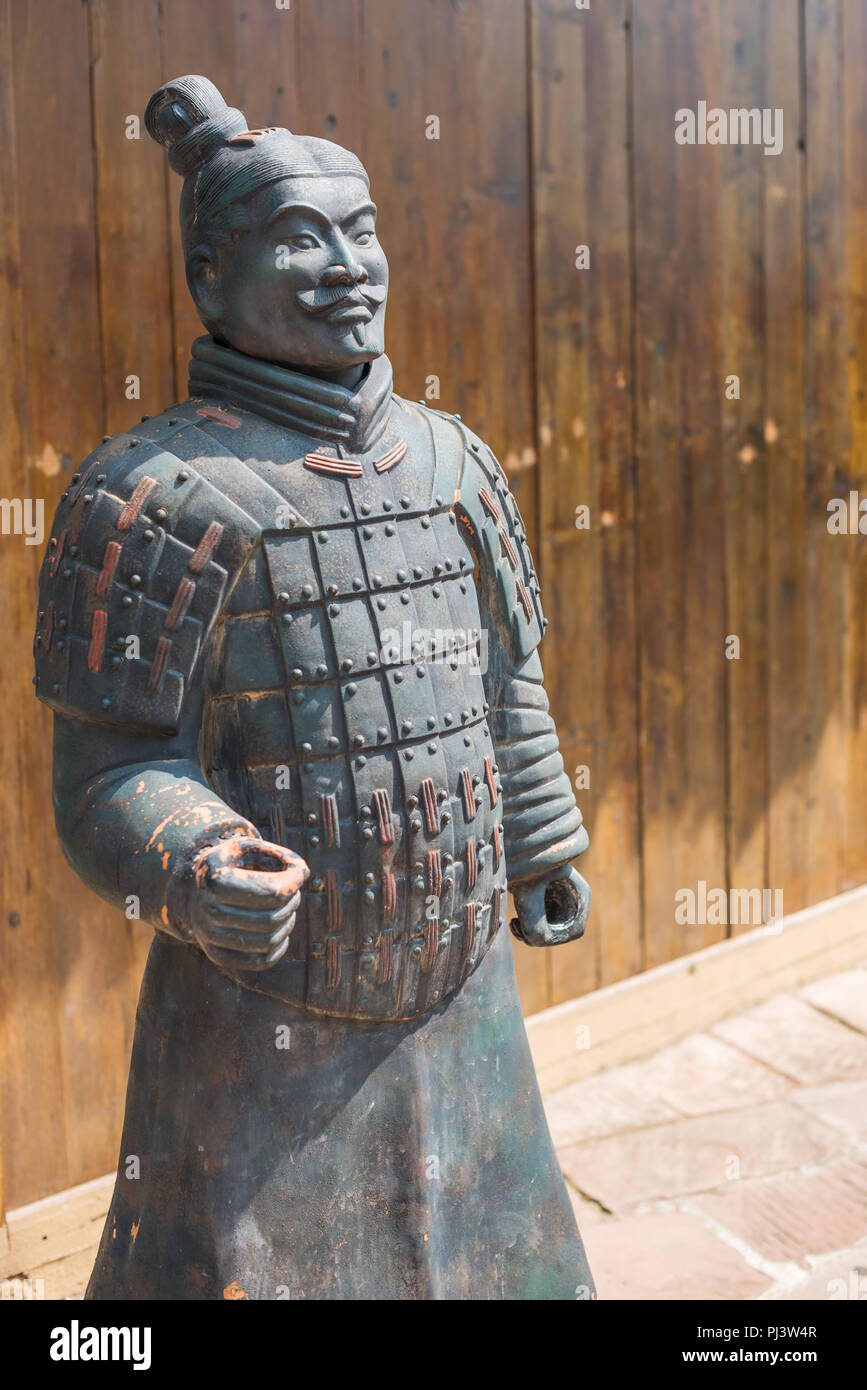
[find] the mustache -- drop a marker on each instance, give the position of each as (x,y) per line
(325,297)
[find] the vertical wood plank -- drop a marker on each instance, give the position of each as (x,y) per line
(584,386)
(784,434)
(828,443)
(854,139)
(681,613)
(743,459)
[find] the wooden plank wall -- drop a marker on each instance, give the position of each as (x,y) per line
(601,387)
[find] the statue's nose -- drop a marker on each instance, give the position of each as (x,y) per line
(342,275)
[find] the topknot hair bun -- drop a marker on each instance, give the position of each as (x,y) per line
(190,118)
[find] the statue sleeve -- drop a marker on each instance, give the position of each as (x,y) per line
(542,825)
(142,556)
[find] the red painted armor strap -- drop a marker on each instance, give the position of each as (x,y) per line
(330,819)
(143,489)
(97,639)
(383,815)
(489,778)
(45,630)
(509,550)
(57,548)
(389,460)
(159,666)
(206,547)
(385,957)
(525,600)
(180,604)
(335,907)
(487,500)
(498,847)
(109,564)
(434,872)
(472,922)
(345,468)
(429,803)
(76,491)
(469,795)
(219,416)
(472,864)
(332,963)
(495,911)
(389,895)
(431,941)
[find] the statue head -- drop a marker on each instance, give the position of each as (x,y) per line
(278,232)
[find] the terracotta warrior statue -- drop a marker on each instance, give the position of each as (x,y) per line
(288,630)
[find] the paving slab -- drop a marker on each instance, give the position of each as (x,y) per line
(841,1277)
(794,1038)
(702,1074)
(668,1255)
(843,1104)
(843,994)
(697,1154)
(784,1217)
(607,1103)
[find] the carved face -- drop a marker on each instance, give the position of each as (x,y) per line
(307,284)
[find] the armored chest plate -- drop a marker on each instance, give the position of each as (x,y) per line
(346,717)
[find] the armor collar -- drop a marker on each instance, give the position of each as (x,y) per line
(355,419)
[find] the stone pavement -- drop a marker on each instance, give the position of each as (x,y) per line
(731,1164)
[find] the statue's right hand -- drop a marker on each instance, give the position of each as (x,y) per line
(241,900)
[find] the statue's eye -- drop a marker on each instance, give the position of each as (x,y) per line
(364,238)
(303,242)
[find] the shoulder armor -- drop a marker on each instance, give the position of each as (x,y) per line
(143,547)
(489,517)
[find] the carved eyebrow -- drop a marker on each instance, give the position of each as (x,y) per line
(317,215)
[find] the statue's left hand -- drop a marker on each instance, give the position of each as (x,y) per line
(552,909)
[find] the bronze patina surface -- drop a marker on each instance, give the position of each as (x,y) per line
(289,632)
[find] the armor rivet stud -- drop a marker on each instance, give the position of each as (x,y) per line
(312,818)
(316,883)
(307,591)
(387,504)
(116,661)
(357,583)
(409,756)
(126,601)
(133,444)
(333,609)
(333,590)
(358,741)
(406,726)
(106,703)
(425,521)
(416,950)
(438,499)
(382,733)
(335,743)
(321,670)
(367,532)
(404,502)
(398,677)
(369,897)
(370,878)
(448,718)
(88,498)
(55,687)
(344,511)
(377,581)
(298,697)
(346,664)
(449,882)
(417,571)
(436,590)
(307,748)
(148,535)
(446,817)
(308,767)
(389,528)
(76,477)
(412,802)
(322,537)
(100,479)
(405,597)
(62,624)
(183,476)
(468,741)
(160,514)
(381,604)
(135,580)
(73,550)
(367,940)
(297,673)
(362,762)
(313,840)
(367,832)
(431,748)
(351,688)
(449,564)
(463,587)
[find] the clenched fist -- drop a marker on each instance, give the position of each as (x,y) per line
(239,902)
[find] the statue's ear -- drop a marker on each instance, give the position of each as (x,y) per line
(204,282)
